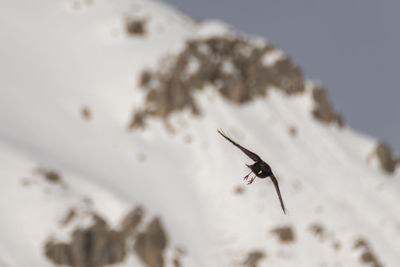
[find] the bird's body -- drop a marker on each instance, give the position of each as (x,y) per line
(260,168)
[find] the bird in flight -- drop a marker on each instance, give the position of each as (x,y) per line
(260,168)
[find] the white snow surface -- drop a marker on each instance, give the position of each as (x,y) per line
(270,58)
(61,55)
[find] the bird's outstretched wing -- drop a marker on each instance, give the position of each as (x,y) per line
(275,181)
(250,154)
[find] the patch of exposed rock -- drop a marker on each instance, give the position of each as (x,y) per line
(318,230)
(321,233)
(292,130)
(284,233)
(367,255)
(86,113)
(138,120)
(323,109)
(51,176)
(235,66)
(253,257)
(98,244)
(150,244)
(131,221)
(48,175)
(135,27)
(387,160)
(69,217)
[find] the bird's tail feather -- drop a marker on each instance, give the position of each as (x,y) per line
(275,181)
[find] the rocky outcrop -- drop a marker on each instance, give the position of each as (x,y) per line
(138,120)
(59,253)
(323,109)
(239,69)
(319,231)
(49,175)
(387,160)
(135,27)
(96,245)
(367,256)
(253,257)
(99,245)
(150,244)
(86,113)
(132,221)
(284,233)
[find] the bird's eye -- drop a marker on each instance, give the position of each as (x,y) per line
(260,172)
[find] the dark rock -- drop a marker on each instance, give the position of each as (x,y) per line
(145,78)
(98,245)
(135,27)
(360,243)
(69,217)
(52,176)
(285,234)
(138,120)
(59,253)
(86,114)
(318,230)
(367,256)
(233,65)
(150,244)
(323,110)
(386,158)
(95,246)
(293,130)
(253,258)
(132,220)
(176,262)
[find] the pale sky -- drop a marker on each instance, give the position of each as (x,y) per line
(351,46)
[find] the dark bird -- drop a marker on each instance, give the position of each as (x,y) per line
(260,168)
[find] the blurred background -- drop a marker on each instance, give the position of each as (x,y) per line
(352,47)
(109,150)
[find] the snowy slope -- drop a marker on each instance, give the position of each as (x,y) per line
(63,55)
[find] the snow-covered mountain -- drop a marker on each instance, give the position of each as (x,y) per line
(110,155)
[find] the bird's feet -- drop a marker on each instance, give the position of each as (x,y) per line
(247,176)
(252,180)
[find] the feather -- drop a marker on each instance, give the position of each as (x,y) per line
(275,181)
(250,154)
